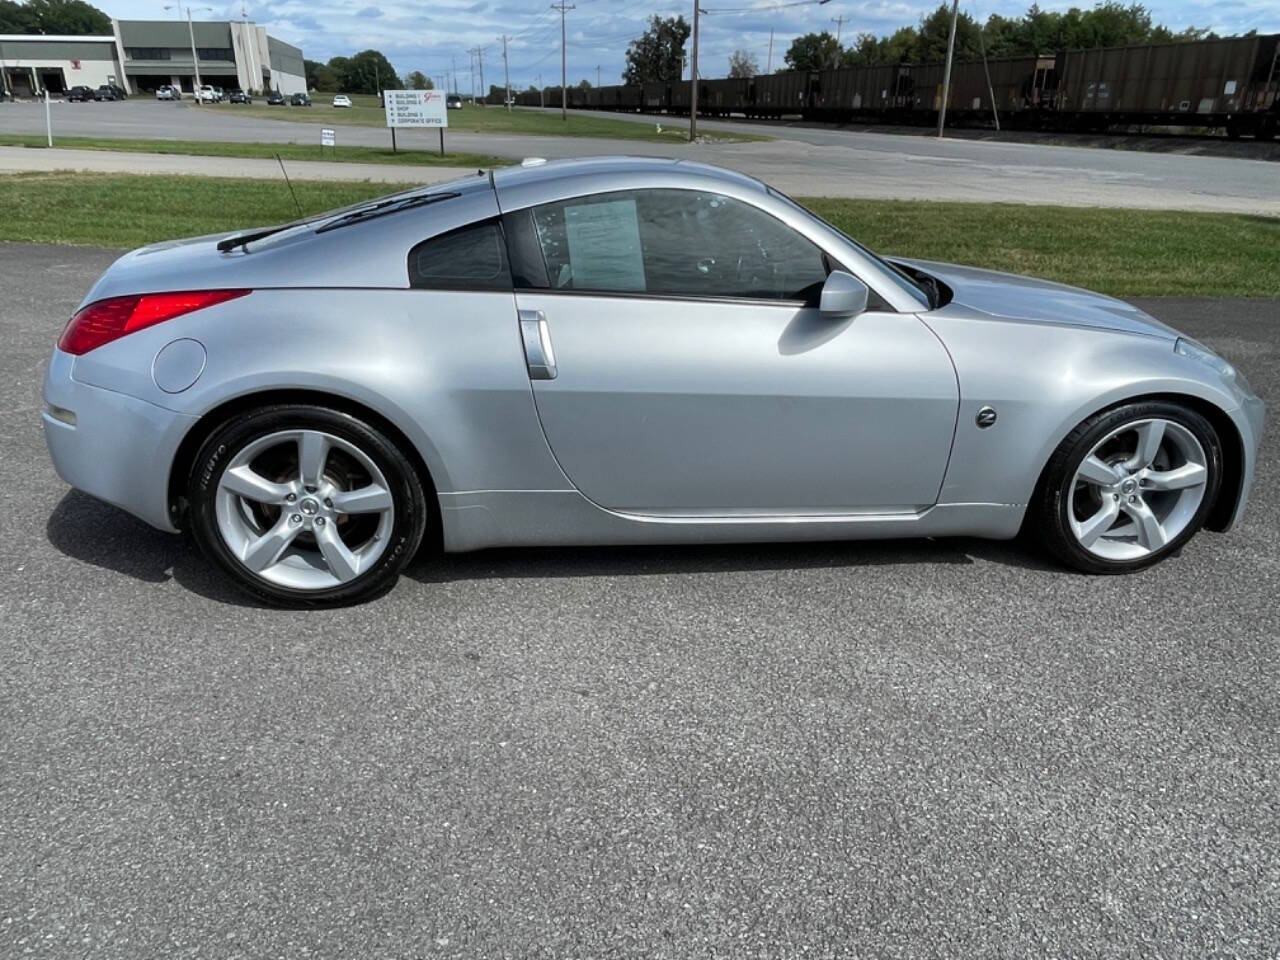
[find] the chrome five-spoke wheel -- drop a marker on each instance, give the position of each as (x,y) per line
(305,505)
(304,509)
(1138,488)
(1128,486)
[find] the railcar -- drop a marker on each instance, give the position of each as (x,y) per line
(1231,84)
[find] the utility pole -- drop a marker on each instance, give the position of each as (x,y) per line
(982,46)
(564,71)
(191,32)
(195,58)
(506,77)
(946,76)
(693,76)
(453,80)
(768,64)
(835,55)
(542,93)
(477,56)
(597,76)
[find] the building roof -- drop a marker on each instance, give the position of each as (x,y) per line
(55,38)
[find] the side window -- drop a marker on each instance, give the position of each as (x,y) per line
(471,258)
(675,243)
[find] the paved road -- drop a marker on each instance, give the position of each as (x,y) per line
(808,161)
(928,749)
(15,159)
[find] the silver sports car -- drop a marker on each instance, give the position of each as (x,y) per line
(619,351)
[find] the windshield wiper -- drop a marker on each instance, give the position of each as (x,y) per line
(385,207)
(246,238)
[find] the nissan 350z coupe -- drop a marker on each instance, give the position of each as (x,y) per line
(617,351)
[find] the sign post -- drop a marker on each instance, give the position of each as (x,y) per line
(328,139)
(416,108)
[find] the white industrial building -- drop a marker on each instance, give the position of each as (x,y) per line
(141,55)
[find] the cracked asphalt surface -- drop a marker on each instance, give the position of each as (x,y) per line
(910,749)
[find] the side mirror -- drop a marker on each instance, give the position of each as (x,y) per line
(843,295)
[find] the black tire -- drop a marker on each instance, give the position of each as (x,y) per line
(410,503)
(1048,517)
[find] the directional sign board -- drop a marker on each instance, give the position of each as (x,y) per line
(415,108)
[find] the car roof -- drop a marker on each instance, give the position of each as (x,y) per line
(586,171)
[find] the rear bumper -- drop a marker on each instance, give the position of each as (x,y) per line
(109,445)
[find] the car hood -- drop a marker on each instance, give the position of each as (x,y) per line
(1026,299)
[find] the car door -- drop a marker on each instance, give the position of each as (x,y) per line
(680,365)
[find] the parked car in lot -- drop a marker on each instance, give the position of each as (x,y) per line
(453,102)
(275,98)
(109,91)
(239,96)
(206,94)
(300,100)
(219,94)
(80,94)
(341,100)
(168,92)
(654,351)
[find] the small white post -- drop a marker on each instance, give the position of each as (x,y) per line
(48,118)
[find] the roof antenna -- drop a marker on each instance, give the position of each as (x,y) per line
(289,185)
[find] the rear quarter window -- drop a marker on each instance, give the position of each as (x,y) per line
(473,257)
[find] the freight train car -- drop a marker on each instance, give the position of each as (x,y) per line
(1229,83)
(777,95)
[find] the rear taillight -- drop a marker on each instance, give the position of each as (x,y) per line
(107,320)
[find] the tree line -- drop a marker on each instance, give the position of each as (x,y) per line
(365,72)
(660,53)
(1109,24)
(68,17)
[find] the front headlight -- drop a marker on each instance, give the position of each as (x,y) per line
(1198,351)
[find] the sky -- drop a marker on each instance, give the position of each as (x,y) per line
(435,37)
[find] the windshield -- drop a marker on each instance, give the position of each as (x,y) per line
(919,291)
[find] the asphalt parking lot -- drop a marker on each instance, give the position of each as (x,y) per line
(933,748)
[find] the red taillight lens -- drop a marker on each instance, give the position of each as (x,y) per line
(111,319)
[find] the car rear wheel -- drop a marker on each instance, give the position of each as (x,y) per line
(306,506)
(1128,487)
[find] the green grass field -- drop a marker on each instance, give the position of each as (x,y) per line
(365,111)
(416,155)
(1121,252)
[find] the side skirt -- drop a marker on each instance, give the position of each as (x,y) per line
(475,520)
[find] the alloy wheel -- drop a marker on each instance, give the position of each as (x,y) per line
(1138,489)
(304,509)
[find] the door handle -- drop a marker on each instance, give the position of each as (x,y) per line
(538,352)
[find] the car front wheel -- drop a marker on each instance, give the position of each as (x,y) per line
(1128,487)
(306,506)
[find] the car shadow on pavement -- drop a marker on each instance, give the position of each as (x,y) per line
(621,561)
(99,534)
(96,533)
